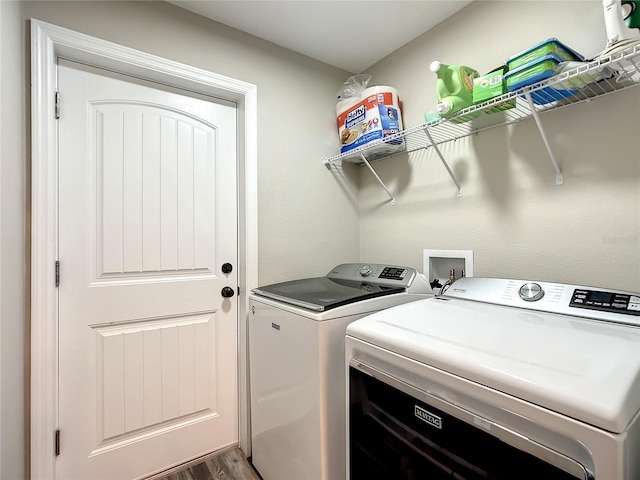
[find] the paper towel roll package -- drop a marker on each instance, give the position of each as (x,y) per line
(372,116)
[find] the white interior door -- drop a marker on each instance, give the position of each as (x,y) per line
(148,216)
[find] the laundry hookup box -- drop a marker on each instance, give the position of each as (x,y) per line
(370,117)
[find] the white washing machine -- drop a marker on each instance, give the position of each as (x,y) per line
(296,358)
(501,379)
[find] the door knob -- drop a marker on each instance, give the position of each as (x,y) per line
(227,292)
(227,268)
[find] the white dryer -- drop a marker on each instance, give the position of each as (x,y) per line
(296,363)
(501,379)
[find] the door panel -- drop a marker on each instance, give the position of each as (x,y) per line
(147,345)
(154,372)
(150,192)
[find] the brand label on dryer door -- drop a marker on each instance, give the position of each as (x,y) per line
(428,417)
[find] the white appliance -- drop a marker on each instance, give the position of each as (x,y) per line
(503,379)
(296,357)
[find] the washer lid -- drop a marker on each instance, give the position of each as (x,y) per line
(583,368)
(322,293)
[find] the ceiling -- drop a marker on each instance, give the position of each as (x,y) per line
(349,34)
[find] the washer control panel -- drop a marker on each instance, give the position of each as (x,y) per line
(375,274)
(606,301)
(576,300)
(384,272)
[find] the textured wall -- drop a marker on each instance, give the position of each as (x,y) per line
(14,248)
(514,217)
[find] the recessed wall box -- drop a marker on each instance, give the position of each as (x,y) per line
(439,264)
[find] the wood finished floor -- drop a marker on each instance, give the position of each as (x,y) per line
(228,465)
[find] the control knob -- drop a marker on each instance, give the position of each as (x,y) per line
(530,292)
(365,270)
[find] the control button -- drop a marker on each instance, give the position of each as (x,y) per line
(530,292)
(634,299)
(634,306)
(578,300)
(365,270)
(618,305)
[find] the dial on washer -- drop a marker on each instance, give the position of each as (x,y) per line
(530,292)
(365,270)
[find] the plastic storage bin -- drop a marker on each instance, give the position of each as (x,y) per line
(534,72)
(538,63)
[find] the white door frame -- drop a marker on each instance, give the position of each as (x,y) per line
(48,42)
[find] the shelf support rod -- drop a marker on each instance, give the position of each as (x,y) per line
(366,162)
(534,112)
(444,162)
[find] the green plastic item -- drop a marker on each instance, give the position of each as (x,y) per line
(454,89)
(551,46)
(501,107)
(545,66)
(489,85)
(632,20)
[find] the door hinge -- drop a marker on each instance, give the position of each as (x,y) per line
(57,273)
(57,442)
(57,105)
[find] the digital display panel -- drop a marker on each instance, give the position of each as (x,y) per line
(603,297)
(623,303)
(391,273)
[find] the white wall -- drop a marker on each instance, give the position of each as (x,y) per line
(13,232)
(518,222)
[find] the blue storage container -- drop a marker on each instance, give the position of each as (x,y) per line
(536,71)
(548,47)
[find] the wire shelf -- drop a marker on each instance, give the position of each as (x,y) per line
(611,73)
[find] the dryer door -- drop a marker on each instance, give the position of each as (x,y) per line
(394,435)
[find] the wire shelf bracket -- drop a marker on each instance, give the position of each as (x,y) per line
(366,162)
(444,162)
(536,117)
